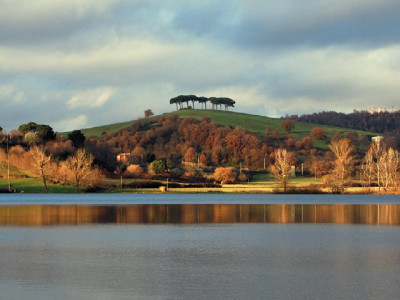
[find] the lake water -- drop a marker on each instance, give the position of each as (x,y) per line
(199,246)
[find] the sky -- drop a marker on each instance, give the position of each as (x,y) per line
(75,64)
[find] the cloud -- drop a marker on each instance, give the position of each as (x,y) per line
(33,22)
(286,23)
(69,124)
(91,98)
(10,94)
(89,58)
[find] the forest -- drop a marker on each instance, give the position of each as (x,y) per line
(384,122)
(199,152)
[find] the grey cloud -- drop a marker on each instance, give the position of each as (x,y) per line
(273,57)
(36,22)
(276,24)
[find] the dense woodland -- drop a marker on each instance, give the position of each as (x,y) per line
(200,151)
(383,122)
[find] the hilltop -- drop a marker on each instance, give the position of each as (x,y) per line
(254,123)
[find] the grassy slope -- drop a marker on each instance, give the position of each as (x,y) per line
(258,124)
(249,122)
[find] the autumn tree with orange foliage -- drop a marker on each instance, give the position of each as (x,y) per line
(225,175)
(317,133)
(134,170)
(287,125)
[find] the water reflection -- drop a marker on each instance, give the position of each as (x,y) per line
(36,215)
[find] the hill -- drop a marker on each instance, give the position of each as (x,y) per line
(253,123)
(376,121)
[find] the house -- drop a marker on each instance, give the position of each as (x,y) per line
(124,158)
(377,139)
(128,158)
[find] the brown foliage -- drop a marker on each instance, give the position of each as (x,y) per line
(148,113)
(225,175)
(134,170)
(287,125)
(317,133)
(190,155)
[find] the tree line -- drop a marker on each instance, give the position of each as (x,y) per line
(189,148)
(35,149)
(216,102)
(384,122)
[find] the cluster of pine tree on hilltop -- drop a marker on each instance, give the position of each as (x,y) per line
(215,102)
(190,150)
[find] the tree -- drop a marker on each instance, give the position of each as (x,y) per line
(148,113)
(159,166)
(31,138)
(287,125)
(368,167)
(268,130)
(342,166)
(385,164)
(40,160)
(80,165)
(77,138)
(174,101)
(28,127)
(282,168)
(148,157)
(190,155)
(276,134)
(134,170)
(44,132)
(225,175)
(227,102)
(203,100)
(388,161)
(317,133)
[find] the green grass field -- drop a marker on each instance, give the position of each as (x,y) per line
(35,185)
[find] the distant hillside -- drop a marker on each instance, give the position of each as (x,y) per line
(253,123)
(381,121)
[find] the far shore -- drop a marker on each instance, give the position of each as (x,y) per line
(299,186)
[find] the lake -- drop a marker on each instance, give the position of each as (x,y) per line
(199,246)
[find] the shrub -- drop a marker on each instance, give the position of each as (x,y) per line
(225,175)
(134,170)
(159,166)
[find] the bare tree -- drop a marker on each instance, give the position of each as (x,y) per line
(368,168)
(388,166)
(377,149)
(342,166)
(282,168)
(41,161)
(80,165)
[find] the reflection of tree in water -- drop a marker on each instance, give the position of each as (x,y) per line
(37,215)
